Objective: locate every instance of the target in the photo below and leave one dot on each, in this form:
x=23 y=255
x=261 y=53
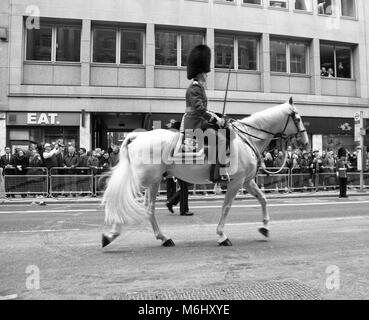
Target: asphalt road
x=308 y=236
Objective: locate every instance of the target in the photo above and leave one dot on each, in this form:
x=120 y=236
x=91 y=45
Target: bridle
x=276 y=136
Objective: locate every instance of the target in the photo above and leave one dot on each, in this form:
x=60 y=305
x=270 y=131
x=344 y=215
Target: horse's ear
x=290 y=101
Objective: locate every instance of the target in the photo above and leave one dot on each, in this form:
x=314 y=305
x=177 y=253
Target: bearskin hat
x=341 y=152
x=198 y=61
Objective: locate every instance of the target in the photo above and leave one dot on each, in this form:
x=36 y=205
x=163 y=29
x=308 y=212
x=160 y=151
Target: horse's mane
x=262 y=119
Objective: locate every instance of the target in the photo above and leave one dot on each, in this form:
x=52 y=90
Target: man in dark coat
x=341 y=167
x=71 y=160
x=6 y=161
x=197 y=115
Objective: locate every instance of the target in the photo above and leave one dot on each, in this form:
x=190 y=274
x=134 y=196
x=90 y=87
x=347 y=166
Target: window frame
x=335 y=46
x=118 y=45
x=288 y=57
x=179 y=45
x=287 y=8
x=355 y=11
x=334 y=9
x=235 y=51
x=53 y=60
x=303 y=11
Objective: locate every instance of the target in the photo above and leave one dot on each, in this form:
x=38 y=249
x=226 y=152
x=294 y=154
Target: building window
x=252 y=1
x=247 y=53
x=131 y=47
x=348 y=8
x=104 y=45
x=224 y=51
x=335 y=61
x=108 y=41
x=289 y=57
x=278 y=3
x=188 y=42
x=54 y=42
x=303 y=5
x=172 y=48
x=68 y=43
x=325 y=7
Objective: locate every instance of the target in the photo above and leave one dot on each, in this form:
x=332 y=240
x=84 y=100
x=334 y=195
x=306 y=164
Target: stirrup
x=225 y=177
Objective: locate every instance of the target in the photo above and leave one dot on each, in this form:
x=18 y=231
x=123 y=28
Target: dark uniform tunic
x=197 y=115
x=342 y=167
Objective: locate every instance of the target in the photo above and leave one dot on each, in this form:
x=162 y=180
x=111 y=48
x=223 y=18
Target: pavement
x=318 y=249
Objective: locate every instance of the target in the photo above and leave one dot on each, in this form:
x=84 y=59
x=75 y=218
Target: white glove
x=220 y=122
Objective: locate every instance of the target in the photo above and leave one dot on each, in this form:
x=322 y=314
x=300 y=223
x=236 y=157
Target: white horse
x=123 y=198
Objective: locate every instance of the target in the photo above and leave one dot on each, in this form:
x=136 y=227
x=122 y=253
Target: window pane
x=247 y=54
x=224 y=51
x=348 y=8
x=165 y=48
x=131 y=47
x=188 y=42
x=327 y=60
x=252 y=1
x=297 y=57
x=104 y=47
x=278 y=56
x=278 y=4
x=39 y=44
x=303 y=5
x=68 y=43
x=343 y=60
x=325 y=7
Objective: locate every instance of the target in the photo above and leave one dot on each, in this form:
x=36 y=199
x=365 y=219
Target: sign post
x=359 y=139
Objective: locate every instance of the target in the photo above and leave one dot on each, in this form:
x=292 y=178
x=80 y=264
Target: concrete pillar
x=265 y=63
x=359 y=70
x=210 y=82
x=150 y=55
x=85 y=52
x=85 y=132
x=316 y=80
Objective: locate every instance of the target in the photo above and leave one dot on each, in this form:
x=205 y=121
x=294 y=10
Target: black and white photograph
x=183 y=155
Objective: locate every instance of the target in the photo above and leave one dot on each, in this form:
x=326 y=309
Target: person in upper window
x=323 y=72
x=330 y=73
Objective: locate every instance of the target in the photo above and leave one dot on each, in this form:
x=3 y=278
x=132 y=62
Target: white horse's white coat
x=125 y=202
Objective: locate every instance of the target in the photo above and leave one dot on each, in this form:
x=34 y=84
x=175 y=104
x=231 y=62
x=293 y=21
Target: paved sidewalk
x=198 y=197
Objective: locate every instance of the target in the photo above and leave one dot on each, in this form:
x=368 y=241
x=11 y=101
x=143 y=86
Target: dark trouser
x=181 y=196
x=343 y=186
x=171 y=188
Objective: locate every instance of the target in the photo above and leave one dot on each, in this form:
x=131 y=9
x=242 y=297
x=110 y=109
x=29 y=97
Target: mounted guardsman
x=197 y=115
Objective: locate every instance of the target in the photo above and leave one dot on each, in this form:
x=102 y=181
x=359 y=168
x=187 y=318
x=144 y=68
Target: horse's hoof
x=226 y=243
x=106 y=240
x=264 y=232
x=168 y=243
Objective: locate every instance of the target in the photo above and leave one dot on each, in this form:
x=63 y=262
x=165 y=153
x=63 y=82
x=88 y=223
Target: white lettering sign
x=43 y=118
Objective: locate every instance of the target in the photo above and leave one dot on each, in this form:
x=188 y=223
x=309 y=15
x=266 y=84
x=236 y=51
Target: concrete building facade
x=87 y=72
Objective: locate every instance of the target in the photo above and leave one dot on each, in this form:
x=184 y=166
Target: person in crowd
x=82 y=159
x=305 y=169
x=114 y=156
x=6 y=161
x=50 y=156
x=280 y=179
x=180 y=196
x=20 y=163
x=297 y=183
x=35 y=168
x=342 y=166
x=93 y=161
x=316 y=167
x=353 y=161
x=268 y=180
x=71 y=161
x=105 y=162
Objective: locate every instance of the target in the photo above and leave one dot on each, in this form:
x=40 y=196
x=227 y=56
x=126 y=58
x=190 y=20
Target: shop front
x=32 y=128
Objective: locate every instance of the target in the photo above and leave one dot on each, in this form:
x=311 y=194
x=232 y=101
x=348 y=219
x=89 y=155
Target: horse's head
x=294 y=125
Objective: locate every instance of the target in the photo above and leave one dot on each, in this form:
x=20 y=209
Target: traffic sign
x=357 y=116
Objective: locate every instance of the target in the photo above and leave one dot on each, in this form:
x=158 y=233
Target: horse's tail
x=123 y=199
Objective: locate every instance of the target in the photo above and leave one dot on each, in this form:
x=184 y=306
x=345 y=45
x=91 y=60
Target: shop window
x=39 y=44
x=224 y=51
x=68 y=40
x=247 y=53
x=173 y=48
x=348 y=8
x=54 y=42
x=188 y=42
x=104 y=45
x=288 y=56
x=131 y=47
x=303 y=5
x=325 y=7
x=252 y=1
x=278 y=3
x=335 y=61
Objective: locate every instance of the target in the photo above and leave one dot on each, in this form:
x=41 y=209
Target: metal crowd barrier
x=73 y=181
x=87 y=181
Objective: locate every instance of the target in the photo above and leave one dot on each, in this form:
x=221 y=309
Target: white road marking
x=9 y=297
x=38 y=231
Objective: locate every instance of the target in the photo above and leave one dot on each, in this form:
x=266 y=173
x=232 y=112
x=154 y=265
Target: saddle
x=200 y=148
